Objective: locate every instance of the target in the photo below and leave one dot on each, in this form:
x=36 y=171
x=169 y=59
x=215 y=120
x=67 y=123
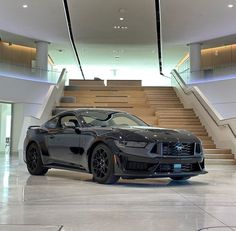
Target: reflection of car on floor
x=111 y=144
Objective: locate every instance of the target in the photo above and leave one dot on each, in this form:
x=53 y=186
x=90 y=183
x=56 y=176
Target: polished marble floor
x=70 y=201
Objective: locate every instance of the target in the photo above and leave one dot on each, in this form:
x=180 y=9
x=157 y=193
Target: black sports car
x=111 y=144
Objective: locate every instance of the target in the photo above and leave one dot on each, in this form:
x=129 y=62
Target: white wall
x=28 y=98
x=22 y=91
x=221 y=94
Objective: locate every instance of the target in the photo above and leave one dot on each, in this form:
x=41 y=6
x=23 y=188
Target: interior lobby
x=170 y=63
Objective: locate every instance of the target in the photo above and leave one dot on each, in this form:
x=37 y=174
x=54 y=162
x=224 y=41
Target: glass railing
x=26 y=73
x=209 y=75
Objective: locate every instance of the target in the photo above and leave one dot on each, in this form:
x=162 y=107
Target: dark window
x=89 y=119
x=68 y=118
x=52 y=123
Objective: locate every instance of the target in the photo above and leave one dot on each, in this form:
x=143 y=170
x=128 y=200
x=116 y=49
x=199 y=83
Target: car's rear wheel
x=102 y=165
x=34 y=161
x=179 y=178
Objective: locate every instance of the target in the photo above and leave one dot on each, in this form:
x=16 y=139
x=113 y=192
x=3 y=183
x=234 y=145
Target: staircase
x=158 y=106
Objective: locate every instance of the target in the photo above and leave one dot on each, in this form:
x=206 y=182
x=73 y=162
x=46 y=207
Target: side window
x=52 y=123
x=123 y=121
x=68 y=118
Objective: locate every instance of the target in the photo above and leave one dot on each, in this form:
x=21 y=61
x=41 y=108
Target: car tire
x=34 y=161
x=180 y=178
x=102 y=165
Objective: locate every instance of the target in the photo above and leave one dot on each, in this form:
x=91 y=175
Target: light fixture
x=121 y=19
x=121 y=27
x=230 y=5
x=25 y=6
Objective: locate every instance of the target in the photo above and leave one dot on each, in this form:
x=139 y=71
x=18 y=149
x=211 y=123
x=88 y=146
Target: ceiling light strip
x=69 y=27
x=158 y=27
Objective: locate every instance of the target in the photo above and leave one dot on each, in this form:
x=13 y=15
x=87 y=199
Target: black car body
x=111 y=144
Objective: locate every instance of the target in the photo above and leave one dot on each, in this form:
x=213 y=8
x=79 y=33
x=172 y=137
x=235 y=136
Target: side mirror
x=69 y=124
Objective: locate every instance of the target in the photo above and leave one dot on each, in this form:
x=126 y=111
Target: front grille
x=164 y=168
x=138 y=166
x=177 y=149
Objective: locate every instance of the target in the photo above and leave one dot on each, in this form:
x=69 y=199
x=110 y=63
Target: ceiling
x=101 y=45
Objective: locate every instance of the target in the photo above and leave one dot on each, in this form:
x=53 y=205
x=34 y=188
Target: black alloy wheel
x=33 y=160
x=179 y=178
x=102 y=165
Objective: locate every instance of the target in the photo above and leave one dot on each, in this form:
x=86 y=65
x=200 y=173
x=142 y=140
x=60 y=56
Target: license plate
x=177 y=166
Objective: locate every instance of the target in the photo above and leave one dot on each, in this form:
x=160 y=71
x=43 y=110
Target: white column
x=195 y=57
x=42 y=55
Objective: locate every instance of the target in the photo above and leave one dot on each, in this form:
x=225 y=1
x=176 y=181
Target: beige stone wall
x=15 y=54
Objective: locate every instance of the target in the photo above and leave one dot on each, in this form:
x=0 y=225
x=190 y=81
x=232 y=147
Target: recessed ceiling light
x=25 y=6
x=121 y=27
x=230 y=5
x=121 y=19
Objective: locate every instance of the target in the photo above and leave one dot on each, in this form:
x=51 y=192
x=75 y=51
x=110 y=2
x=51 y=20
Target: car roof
x=79 y=110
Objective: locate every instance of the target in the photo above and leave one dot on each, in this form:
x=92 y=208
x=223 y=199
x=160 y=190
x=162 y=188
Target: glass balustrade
x=26 y=73
x=209 y=74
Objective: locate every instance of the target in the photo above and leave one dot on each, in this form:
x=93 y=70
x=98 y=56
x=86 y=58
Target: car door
x=63 y=142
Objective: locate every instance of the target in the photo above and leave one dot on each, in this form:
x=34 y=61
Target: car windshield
x=105 y=119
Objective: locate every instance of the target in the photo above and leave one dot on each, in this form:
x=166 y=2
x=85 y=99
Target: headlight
x=131 y=144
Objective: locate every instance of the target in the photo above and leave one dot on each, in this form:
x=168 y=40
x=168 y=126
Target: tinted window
x=89 y=119
x=52 y=123
x=68 y=118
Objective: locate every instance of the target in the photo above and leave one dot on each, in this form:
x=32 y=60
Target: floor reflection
x=73 y=200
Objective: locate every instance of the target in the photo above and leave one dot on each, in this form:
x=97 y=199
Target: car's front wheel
x=34 y=162
x=102 y=165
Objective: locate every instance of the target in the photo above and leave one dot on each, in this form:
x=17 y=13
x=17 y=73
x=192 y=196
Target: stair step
x=219 y=156
x=157 y=97
x=205 y=138
x=177 y=112
x=166 y=106
x=106 y=105
x=186 y=126
x=163 y=99
x=139 y=111
x=124 y=83
x=77 y=82
x=219 y=162
x=174 y=122
x=199 y=133
x=68 y=99
x=206 y=146
x=105 y=93
x=208 y=142
x=163 y=111
x=217 y=151
x=176 y=116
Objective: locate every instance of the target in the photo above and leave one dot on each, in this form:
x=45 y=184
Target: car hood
x=141 y=133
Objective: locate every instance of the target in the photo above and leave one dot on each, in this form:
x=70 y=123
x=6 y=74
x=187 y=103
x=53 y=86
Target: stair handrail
x=220 y=122
x=62 y=76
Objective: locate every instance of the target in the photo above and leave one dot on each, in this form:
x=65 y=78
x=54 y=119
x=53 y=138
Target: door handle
x=51 y=136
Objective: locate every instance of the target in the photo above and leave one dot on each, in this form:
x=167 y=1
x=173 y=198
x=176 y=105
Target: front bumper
x=134 y=166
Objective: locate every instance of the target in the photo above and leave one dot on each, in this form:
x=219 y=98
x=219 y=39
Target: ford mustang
x=111 y=144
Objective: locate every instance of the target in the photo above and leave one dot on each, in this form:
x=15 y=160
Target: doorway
x=5 y=127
